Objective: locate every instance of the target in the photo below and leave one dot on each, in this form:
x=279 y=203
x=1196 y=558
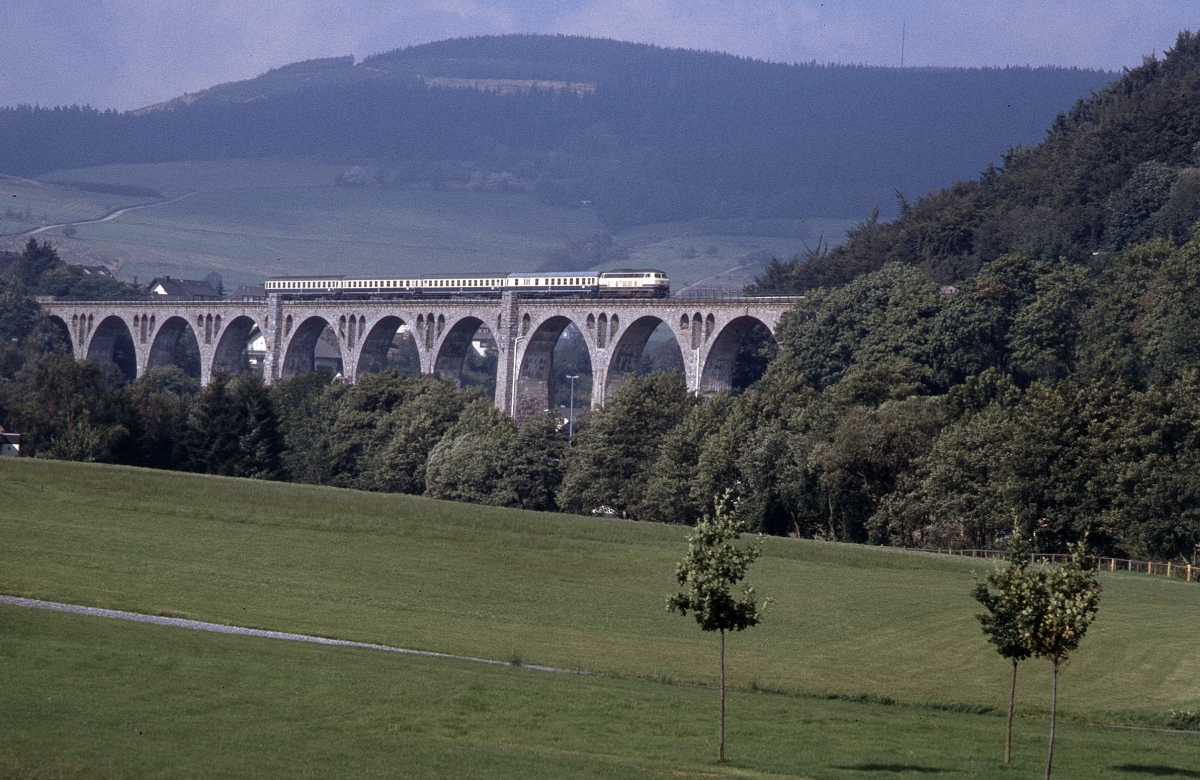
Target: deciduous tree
x=1009 y=606
x=1066 y=605
x=713 y=566
x=610 y=463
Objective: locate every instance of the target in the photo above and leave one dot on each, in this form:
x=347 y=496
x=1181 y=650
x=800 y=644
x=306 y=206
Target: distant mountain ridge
x=642 y=132
x=1120 y=167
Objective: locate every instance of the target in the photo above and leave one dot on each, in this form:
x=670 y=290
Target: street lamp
x=571 y=419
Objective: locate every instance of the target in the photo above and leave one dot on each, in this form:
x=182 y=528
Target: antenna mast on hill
x=903 y=31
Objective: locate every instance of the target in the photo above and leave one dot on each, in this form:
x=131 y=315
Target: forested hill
x=1120 y=167
x=644 y=133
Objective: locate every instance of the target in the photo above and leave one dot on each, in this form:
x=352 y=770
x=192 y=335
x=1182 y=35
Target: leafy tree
x=886 y=314
x=26 y=336
x=160 y=403
x=777 y=485
x=306 y=406
x=67 y=409
x=430 y=406
x=868 y=451
x=669 y=495
x=1042 y=338
x=19 y=312
x=1113 y=339
x=712 y=567
x=36 y=259
x=609 y=464
x=1139 y=199
x=1009 y=608
x=384 y=428
x=470 y=462
x=962 y=500
x=233 y=429
x=534 y=471
x=485 y=459
x=759 y=453
x=1176 y=220
x=1171 y=323
x=1146 y=451
x=1066 y=605
x=979 y=392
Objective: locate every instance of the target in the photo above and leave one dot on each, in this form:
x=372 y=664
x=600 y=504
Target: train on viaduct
x=708 y=329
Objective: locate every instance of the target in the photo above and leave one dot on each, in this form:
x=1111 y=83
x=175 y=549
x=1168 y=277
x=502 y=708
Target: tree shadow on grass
x=894 y=768
x=1157 y=770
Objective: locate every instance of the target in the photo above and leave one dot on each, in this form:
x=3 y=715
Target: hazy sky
x=129 y=53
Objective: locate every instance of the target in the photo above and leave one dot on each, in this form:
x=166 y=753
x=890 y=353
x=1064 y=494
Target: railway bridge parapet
x=709 y=331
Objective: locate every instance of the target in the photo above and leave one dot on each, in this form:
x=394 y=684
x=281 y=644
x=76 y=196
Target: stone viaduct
x=708 y=330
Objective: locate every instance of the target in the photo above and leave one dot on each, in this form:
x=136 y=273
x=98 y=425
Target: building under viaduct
x=709 y=332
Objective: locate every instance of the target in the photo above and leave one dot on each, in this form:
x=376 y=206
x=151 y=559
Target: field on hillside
x=92 y=698
x=869 y=659
x=27 y=204
x=252 y=219
x=558 y=590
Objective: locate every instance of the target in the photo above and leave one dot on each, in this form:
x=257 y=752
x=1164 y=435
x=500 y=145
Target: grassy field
x=251 y=219
x=26 y=204
x=91 y=698
x=853 y=622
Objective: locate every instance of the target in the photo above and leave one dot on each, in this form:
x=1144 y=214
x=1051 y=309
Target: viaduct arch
x=708 y=332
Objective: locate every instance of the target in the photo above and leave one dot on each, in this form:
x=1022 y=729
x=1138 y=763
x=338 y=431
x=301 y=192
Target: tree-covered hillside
x=644 y=133
x=1121 y=166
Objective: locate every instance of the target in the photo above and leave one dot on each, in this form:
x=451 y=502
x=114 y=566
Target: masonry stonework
x=709 y=333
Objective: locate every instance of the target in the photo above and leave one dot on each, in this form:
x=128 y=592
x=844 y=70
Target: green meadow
x=249 y=219
x=869 y=663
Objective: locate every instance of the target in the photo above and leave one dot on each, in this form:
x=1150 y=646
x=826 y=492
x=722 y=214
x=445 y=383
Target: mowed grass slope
x=557 y=590
x=84 y=697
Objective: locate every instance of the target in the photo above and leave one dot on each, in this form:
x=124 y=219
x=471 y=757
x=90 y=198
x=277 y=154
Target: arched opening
x=631 y=347
x=532 y=393
x=738 y=357
x=468 y=355
x=240 y=348
x=661 y=352
x=113 y=342
x=175 y=344
x=313 y=346
x=389 y=345
x=572 y=399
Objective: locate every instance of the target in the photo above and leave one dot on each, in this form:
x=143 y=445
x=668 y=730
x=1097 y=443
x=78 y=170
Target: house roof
x=323 y=349
x=96 y=270
x=183 y=289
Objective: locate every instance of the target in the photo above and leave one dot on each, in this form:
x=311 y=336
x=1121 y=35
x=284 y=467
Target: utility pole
x=903 y=32
x=571 y=418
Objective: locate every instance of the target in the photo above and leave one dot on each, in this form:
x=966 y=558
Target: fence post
x=1168 y=568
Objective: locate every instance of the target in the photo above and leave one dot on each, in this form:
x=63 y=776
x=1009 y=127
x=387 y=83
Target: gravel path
x=219 y=628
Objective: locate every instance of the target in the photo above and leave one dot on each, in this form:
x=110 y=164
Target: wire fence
x=1183 y=571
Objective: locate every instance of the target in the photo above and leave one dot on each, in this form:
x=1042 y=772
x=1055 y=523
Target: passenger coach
x=621 y=283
